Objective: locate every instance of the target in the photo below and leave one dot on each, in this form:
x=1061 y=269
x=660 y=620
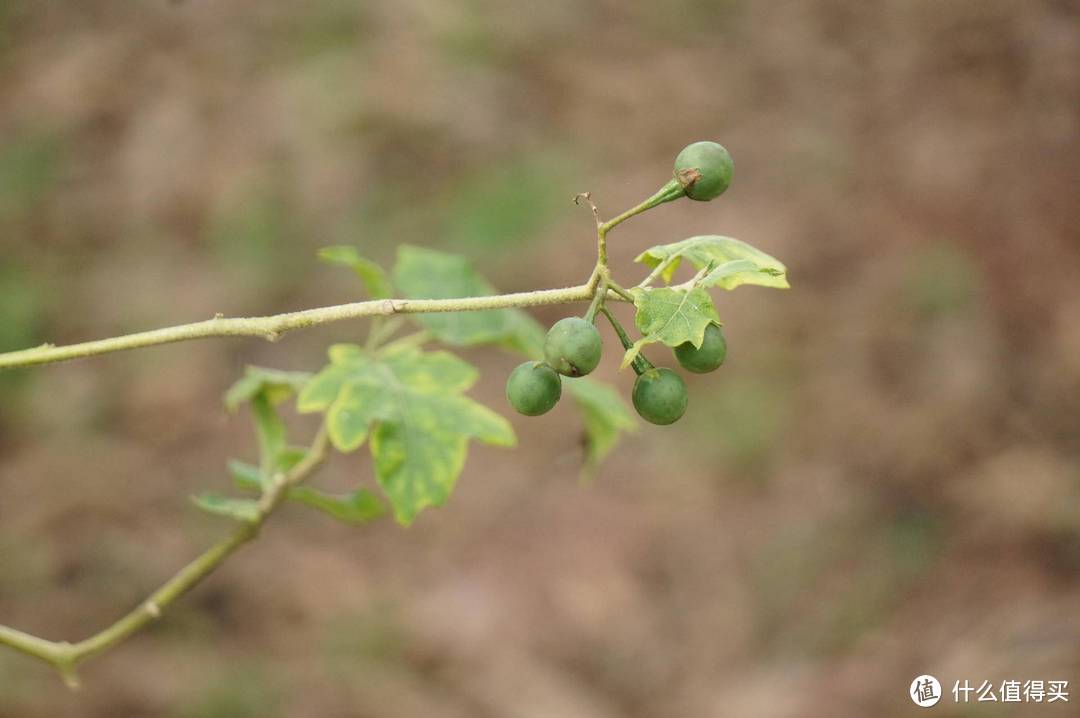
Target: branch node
x=272 y=335
x=219 y=315
x=153 y=609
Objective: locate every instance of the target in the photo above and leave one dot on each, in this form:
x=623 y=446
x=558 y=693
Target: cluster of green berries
x=572 y=348
x=660 y=395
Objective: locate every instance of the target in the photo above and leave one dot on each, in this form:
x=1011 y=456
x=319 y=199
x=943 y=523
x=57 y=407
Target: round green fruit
x=572 y=346
x=709 y=356
x=533 y=388
x=660 y=396
x=704 y=169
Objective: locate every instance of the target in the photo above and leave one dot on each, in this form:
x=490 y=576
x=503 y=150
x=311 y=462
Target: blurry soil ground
x=883 y=481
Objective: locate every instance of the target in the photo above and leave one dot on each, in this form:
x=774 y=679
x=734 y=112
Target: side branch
x=65 y=656
x=273 y=327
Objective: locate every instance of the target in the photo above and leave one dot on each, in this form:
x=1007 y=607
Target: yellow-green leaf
x=411 y=404
x=755 y=266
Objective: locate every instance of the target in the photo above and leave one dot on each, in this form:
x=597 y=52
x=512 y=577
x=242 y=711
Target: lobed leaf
x=411 y=405
x=735 y=262
x=671 y=316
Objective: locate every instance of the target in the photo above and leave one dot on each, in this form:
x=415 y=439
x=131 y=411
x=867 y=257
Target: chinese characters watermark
x=925 y=691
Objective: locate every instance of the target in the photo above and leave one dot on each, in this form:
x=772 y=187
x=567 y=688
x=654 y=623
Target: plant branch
x=273 y=327
x=618 y=289
x=598 y=297
x=65 y=656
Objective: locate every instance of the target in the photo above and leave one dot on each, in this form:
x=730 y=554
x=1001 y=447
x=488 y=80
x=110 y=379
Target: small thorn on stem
x=219 y=315
x=65 y=664
x=153 y=609
x=70 y=678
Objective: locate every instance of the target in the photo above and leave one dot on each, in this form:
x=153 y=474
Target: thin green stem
x=619 y=331
x=615 y=287
x=65 y=657
x=273 y=327
x=640 y=363
x=656 y=272
x=671 y=191
x=598 y=299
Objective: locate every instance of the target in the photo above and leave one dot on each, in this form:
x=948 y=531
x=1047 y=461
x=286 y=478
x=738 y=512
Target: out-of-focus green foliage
x=30 y=167
x=245 y=691
x=940 y=280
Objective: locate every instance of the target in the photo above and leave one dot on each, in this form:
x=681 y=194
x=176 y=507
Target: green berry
x=704 y=169
x=709 y=356
x=572 y=346
x=533 y=388
x=660 y=396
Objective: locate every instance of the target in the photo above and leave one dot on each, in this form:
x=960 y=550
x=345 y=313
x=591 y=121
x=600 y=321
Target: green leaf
x=524 y=334
x=246 y=476
x=411 y=404
x=275 y=385
x=325 y=386
x=757 y=267
x=290 y=456
x=358 y=507
x=671 y=316
x=263 y=389
x=246 y=510
x=374 y=277
x=427 y=274
x=606 y=415
x=361 y=402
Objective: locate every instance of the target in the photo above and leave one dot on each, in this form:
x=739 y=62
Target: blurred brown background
x=883 y=481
